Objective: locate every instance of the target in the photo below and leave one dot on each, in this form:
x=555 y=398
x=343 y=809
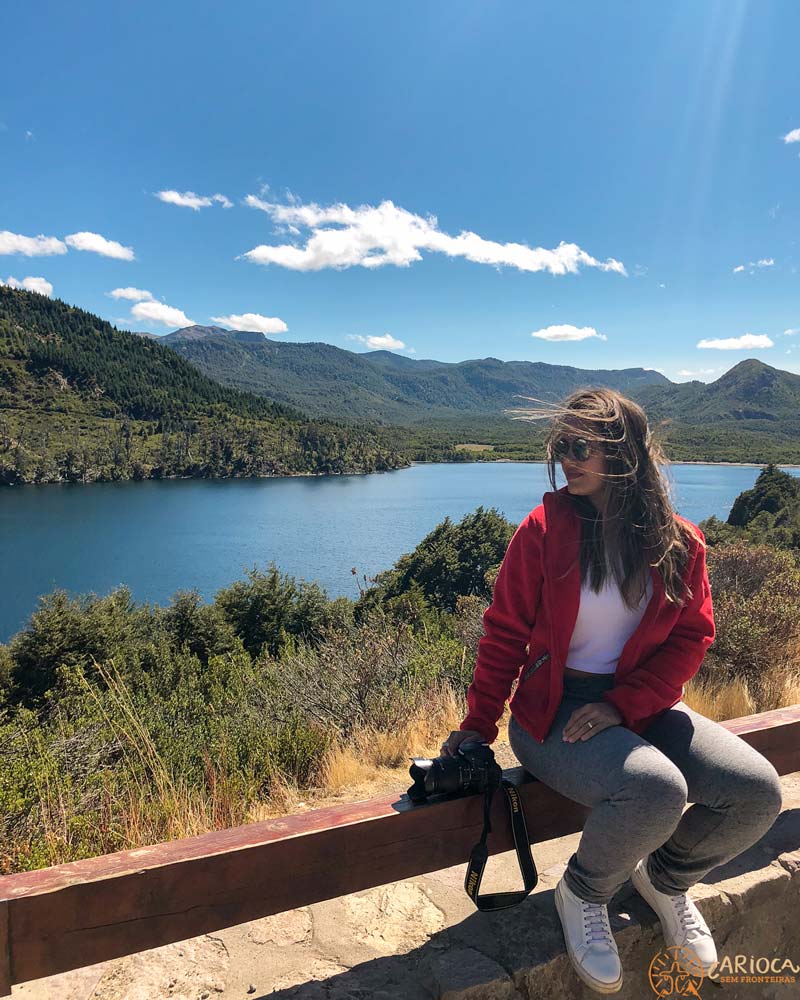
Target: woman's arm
x=656 y=683
x=507 y=625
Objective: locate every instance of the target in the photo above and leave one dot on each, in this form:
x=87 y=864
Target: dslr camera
x=470 y=771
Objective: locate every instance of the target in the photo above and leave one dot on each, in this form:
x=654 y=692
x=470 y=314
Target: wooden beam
x=5 y=951
x=73 y=915
x=774 y=734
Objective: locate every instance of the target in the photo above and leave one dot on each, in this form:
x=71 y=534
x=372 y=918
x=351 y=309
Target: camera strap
x=480 y=853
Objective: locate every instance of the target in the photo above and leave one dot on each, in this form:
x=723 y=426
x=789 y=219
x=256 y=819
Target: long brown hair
x=638 y=527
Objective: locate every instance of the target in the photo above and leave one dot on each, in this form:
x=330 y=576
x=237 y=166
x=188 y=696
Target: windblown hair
x=638 y=528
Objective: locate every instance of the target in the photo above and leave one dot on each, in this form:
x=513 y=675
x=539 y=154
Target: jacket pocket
x=526 y=673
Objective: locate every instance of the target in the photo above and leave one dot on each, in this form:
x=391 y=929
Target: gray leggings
x=638 y=786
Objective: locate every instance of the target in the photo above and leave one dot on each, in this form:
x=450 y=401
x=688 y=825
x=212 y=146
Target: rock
x=310 y=982
x=466 y=974
x=282 y=929
x=393 y=918
x=186 y=970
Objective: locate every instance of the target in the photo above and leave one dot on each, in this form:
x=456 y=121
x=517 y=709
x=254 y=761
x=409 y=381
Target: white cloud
x=764 y=262
x=791 y=333
x=30 y=246
x=700 y=371
x=252 y=322
x=748 y=341
x=383 y=343
x=368 y=236
x=188 y=199
x=793 y=136
x=159 y=312
x=134 y=294
x=42 y=246
x=95 y=243
x=566 y=332
x=30 y=284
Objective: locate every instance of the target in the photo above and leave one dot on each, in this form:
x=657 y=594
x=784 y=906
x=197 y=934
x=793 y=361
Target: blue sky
x=574 y=183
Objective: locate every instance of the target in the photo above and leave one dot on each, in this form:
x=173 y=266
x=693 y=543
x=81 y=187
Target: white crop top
x=603 y=626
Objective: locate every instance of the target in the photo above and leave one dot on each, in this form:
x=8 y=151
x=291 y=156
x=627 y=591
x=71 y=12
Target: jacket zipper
x=534 y=666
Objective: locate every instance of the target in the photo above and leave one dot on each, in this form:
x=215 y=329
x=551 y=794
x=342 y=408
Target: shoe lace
x=595 y=922
x=685 y=912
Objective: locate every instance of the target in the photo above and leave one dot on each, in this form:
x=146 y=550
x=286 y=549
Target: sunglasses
x=581 y=448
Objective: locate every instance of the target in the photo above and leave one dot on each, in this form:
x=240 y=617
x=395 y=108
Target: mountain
x=83 y=401
x=383 y=387
x=749 y=414
x=751 y=392
x=55 y=353
x=204 y=332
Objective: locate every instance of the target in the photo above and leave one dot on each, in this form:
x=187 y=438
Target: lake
x=159 y=537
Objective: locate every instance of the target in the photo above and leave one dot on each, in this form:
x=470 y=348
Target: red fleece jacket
x=529 y=624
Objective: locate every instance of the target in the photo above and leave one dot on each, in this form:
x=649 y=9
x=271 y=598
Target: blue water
x=161 y=537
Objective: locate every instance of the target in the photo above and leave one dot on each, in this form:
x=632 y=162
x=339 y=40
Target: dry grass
x=735 y=699
x=370 y=763
x=376 y=763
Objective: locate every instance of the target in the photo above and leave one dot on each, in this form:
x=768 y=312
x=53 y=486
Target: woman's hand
x=601 y=714
x=458 y=736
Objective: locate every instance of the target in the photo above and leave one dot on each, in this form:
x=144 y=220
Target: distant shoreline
x=754 y=465
x=533 y=461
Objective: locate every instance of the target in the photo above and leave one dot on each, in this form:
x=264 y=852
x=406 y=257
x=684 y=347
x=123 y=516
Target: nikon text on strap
x=480 y=853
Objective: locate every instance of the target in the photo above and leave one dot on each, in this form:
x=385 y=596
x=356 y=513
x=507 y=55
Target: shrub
x=756 y=596
x=271 y=606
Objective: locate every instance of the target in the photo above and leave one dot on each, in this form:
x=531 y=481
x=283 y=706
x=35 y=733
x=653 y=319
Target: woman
x=603 y=597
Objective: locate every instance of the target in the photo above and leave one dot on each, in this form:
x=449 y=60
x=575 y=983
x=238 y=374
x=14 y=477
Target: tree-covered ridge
x=73 y=390
x=461 y=411
x=81 y=401
x=123 y=375
x=767 y=514
x=327 y=381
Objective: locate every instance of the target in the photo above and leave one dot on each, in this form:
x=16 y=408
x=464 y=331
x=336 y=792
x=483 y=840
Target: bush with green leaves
x=756 y=596
x=269 y=607
x=450 y=562
x=122 y=723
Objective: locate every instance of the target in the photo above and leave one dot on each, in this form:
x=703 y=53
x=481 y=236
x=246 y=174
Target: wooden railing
x=73 y=915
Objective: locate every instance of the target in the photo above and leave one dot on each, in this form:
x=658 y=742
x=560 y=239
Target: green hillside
x=749 y=414
x=81 y=401
x=382 y=387
x=440 y=411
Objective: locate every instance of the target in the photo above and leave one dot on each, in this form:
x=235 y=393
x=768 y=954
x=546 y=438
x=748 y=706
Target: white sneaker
x=590 y=943
x=682 y=924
